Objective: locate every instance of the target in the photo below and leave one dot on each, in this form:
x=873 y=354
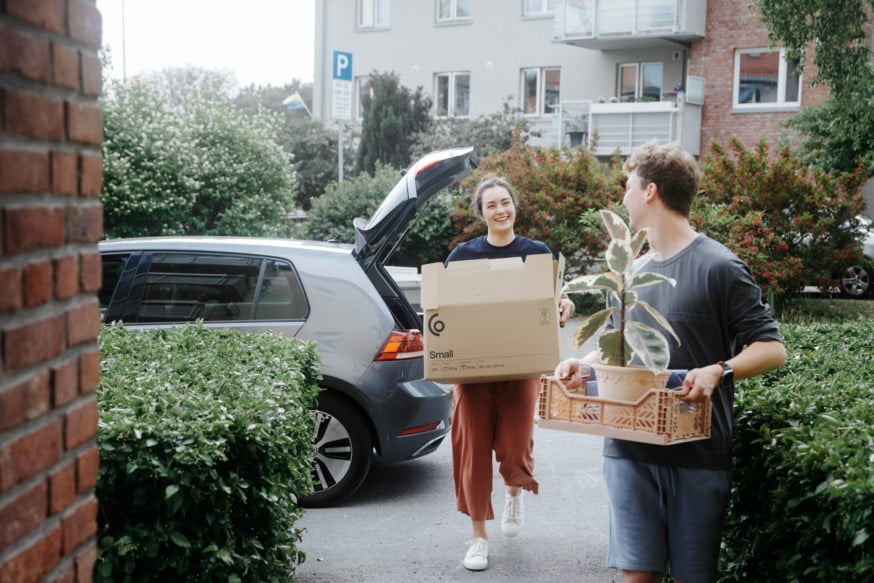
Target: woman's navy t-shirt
x=480 y=248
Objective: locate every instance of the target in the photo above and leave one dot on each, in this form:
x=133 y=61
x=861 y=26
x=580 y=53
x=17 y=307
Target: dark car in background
x=367 y=334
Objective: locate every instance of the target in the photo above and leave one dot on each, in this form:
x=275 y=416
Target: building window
x=452 y=94
x=538 y=7
x=763 y=77
x=362 y=89
x=640 y=82
x=454 y=10
x=373 y=13
x=541 y=91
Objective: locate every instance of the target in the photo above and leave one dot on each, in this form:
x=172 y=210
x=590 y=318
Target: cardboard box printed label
x=491 y=319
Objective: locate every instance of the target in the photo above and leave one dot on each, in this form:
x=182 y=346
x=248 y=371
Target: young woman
x=495 y=416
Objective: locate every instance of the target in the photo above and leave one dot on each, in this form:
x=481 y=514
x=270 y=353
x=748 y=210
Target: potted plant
x=617 y=377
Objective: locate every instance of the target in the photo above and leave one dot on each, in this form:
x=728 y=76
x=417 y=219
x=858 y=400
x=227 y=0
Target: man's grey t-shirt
x=716 y=309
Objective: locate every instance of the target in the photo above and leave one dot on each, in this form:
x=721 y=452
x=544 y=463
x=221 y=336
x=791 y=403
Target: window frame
x=451 y=77
x=540 y=106
x=782 y=71
x=453 y=17
x=373 y=8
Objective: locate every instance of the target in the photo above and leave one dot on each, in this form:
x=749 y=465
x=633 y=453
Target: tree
x=840 y=132
x=194 y=166
x=393 y=115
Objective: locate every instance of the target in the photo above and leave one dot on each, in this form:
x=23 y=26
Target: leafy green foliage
x=553 y=189
x=331 y=216
x=839 y=132
x=196 y=167
x=802 y=503
x=393 y=115
x=205 y=444
x=790 y=223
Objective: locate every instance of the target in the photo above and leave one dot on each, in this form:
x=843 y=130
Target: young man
x=667 y=503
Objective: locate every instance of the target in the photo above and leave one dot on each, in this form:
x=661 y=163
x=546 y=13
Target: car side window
x=183 y=287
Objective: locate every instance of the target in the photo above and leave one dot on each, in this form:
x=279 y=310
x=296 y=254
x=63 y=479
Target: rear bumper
x=419 y=407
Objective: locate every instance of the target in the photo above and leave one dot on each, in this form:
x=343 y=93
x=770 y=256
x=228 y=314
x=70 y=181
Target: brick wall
x=50 y=219
x=733 y=24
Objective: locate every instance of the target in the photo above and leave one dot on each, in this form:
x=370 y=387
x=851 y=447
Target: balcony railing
x=621 y=24
x=625 y=126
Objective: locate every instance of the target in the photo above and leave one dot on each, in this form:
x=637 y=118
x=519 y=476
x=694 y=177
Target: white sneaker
x=477 y=557
x=511 y=521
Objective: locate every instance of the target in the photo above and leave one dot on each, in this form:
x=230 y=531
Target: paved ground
x=402 y=524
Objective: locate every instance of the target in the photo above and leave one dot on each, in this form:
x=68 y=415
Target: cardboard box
x=491 y=319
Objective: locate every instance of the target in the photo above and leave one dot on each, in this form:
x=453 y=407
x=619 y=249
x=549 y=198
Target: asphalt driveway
x=402 y=524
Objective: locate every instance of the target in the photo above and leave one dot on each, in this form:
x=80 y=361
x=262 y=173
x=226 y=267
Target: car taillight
x=402 y=344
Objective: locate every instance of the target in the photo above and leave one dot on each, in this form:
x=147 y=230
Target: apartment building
x=623 y=71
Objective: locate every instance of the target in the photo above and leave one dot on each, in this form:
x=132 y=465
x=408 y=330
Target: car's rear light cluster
x=401 y=345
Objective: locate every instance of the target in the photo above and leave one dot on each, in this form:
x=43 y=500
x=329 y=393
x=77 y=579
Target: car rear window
x=182 y=287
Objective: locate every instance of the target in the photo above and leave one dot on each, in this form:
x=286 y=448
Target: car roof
x=226 y=244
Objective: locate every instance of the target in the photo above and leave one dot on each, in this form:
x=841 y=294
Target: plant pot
x=627 y=383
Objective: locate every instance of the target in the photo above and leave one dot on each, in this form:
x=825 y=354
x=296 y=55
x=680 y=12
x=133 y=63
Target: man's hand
x=565 y=310
x=572 y=372
x=700 y=383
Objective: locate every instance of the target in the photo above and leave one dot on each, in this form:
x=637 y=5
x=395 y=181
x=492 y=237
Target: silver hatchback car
x=367 y=333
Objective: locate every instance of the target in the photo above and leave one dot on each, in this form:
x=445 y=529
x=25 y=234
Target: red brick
x=84 y=123
x=66 y=66
x=83 y=323
x=47 y=14
x=65 y=382
x=62 y=488
x=33 y=115
x=22 y=514
x=90 y=175
x=31 y=171
x=87 y=466
x=84 y=224
x=85 y=564
x=65 y=175
x=37 y=283
x=33 y=342
x=29 y=56
x=10 y=289
x=85 y=22
x=89 y=371
x=27 y=228
x=80 y=524
x=24 y=401
x=66 y=276
x=35 y=561
x=90 y=271
x=92 y=74
x=81 y=424
x=31 y=453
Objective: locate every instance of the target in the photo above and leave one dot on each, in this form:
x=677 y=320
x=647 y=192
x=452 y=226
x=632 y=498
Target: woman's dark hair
x=486 y=183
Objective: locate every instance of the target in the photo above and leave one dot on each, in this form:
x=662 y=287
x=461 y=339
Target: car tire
x=342 y=451
x=855 y=281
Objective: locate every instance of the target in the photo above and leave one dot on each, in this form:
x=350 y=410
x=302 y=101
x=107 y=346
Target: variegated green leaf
x=662 y=321
x=644 y=279
x=608 y=347
x=649 y=345
x=638 y=240
x=615 y=226
x=607 y=281
x=591 y=326
x=619 y=257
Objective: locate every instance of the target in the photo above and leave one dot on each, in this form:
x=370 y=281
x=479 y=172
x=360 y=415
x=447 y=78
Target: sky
x=259 y=41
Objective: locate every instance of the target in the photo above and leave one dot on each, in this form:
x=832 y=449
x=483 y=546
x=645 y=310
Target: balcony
x=625 y=126
x=629 y=24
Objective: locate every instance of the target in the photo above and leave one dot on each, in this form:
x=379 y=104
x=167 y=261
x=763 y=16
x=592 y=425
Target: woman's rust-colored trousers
x=499 y=417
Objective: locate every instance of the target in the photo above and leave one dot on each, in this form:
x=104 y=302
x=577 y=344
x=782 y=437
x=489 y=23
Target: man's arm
x=757 y=358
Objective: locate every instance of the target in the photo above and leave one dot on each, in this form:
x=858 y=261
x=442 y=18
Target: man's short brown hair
x=672 y=169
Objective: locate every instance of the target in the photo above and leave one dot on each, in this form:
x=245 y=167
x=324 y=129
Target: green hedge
x=205 y=442
x=802 y=506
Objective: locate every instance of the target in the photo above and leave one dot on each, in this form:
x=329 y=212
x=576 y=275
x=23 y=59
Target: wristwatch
x=727 y=372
